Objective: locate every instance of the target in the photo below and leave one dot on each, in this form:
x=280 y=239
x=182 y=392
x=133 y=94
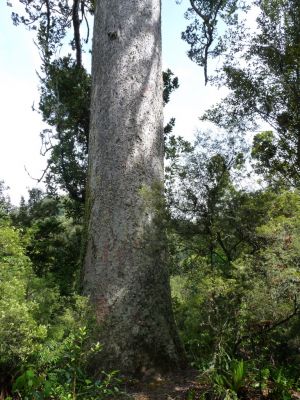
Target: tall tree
x=64 y=88
x=261 y=69
x=125 y=271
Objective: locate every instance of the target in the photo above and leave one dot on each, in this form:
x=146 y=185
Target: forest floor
x=176 y=386
x=184 y=385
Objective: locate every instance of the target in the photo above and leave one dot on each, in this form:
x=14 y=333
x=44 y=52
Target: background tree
x=52 y=238
x=65 y=91
x=203 y=33
x=234 y=262
x=65 y=106
x=261 y=69
x=203 y=195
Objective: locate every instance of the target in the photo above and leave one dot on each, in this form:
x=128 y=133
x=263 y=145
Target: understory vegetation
x=235 y=282
x=231 y=214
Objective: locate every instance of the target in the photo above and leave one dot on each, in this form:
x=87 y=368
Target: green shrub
x=61 y=373
x=20 y=332
x=251 y=310
x=231 y=378
x=206 y=305
x=45 y=339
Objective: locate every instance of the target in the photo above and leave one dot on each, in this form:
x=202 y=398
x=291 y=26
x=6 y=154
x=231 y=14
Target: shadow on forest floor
x=176 y=386
x=184 y=385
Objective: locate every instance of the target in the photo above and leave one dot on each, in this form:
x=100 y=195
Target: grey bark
x=125 y=273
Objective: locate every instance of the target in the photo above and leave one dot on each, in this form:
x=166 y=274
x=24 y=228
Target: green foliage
x=283 y=384
x=54 y=21
x=235 y=253
x=229 y=379
x=65 y=91
x=261 y=71
x=52 y=238
x=20 y=332
x=202 y=34
x=245 y=306
x=64 y=376
x=210 y=214
x=43 y=335
x=29 y=384
x=206 y=307
x=170 y=84
x=5 y=206
x=236 y=379
x=65 y=106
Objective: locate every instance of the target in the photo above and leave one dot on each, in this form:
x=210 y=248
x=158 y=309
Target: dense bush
x=53 y=238
x=45 y=338
x=251 y=310
x=20 y=331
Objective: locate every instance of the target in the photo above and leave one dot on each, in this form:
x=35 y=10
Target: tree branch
x=208 y=25
x=270 y=327
x=76 y=27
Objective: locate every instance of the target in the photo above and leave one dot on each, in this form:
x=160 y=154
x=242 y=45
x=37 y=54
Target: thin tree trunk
x=125 y=273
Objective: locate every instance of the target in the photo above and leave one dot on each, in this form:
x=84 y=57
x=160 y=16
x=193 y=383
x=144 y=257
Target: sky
x=20 y=126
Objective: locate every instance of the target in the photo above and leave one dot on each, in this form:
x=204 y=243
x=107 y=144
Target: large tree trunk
x=125 y=273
